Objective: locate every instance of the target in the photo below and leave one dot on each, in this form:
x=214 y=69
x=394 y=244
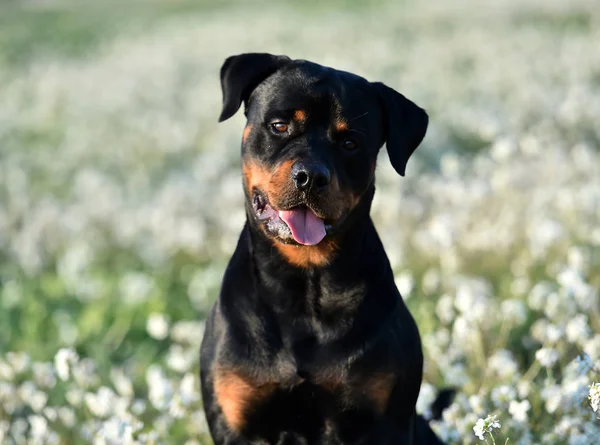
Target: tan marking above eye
x=341 y=125
x=300 y=116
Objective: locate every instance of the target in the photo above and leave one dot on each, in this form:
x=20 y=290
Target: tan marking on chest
x=379 y=389
x=308 y=256
x=237 y=395
x=374 y=390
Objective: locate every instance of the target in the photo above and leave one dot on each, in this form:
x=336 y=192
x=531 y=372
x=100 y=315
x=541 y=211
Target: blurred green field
x=121 y=201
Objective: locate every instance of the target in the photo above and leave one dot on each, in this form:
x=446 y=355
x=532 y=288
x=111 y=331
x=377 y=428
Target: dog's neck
x=359 y=262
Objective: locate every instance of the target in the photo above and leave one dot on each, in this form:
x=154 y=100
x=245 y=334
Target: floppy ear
x=405 y=125
x=241 y=74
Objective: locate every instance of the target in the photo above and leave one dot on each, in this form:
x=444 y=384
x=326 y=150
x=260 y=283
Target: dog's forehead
x=307 y=84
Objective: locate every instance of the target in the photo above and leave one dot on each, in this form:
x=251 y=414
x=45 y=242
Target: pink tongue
x=306 y=227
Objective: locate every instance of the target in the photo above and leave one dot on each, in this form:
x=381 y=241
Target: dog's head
x=311 y=141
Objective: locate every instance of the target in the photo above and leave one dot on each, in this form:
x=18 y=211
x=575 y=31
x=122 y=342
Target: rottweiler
x=310 y=341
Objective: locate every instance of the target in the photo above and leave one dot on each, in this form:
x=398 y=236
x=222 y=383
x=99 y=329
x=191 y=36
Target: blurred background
x=121 y=202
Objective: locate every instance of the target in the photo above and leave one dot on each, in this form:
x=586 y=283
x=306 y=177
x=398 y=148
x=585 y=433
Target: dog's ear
x=241 y=74
x=405 y=125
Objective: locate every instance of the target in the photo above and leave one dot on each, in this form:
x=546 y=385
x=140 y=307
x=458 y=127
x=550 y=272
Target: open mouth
x=299 y=223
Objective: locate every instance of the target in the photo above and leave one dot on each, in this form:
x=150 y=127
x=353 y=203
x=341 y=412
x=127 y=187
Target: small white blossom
x=122 y=382
x=44 y=374
x=39 y=426
x=7 y=373
x=102 y=403
x=190 y=332
x=160 y=388
x=503 y=363
x=405 y=284
x=577 y=329
x=67 y=416
x=486 y=425
x=63 y=359
x=181 y=359
x=519 y=410
x=595 y=396
x=547 y=357
x=19 y=361
x=157 y=326
x=187 y=390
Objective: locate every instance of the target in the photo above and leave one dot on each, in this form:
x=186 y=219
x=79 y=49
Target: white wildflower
x=7 y=373
x=181 y=359
x=518 y=410
x=190 y=332
x=445 y=309
x=19 y=361
x=39 y=426
x=63 y=359
x=157 y=326
x=176 y=407
x=477 y=403
x=187 y=390
x=503 y=363
x=524 y=388
x=122 y=382
x=119 y=431
x=595 y=396
x=159 y=387
x=74 y=397
x=138 y=407
x=85 y=373
x=102 y=403
x=552 y=395
x=514 y=311
x=427 y=396
x=43 y=374
x=486 y=425
x=405 y=284
x=577 y=329
x=539 y=294
x=547 y=357
x=67 y=416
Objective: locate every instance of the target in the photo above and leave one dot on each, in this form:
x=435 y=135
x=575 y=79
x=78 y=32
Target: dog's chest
x=313 y=404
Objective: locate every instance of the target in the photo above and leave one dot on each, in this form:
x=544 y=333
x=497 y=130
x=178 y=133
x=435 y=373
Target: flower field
x=121 y=201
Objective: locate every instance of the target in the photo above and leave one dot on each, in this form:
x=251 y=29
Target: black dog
x=310 y=341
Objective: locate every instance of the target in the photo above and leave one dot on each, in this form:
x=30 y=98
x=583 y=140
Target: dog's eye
x=280 y=127
x=349 y=145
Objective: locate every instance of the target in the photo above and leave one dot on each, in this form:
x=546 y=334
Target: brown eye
x=280 y=127
x=349 y=145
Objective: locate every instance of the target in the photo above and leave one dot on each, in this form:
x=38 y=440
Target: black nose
x=310 y=176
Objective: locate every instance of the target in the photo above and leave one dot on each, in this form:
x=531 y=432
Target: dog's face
x=311 y=142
